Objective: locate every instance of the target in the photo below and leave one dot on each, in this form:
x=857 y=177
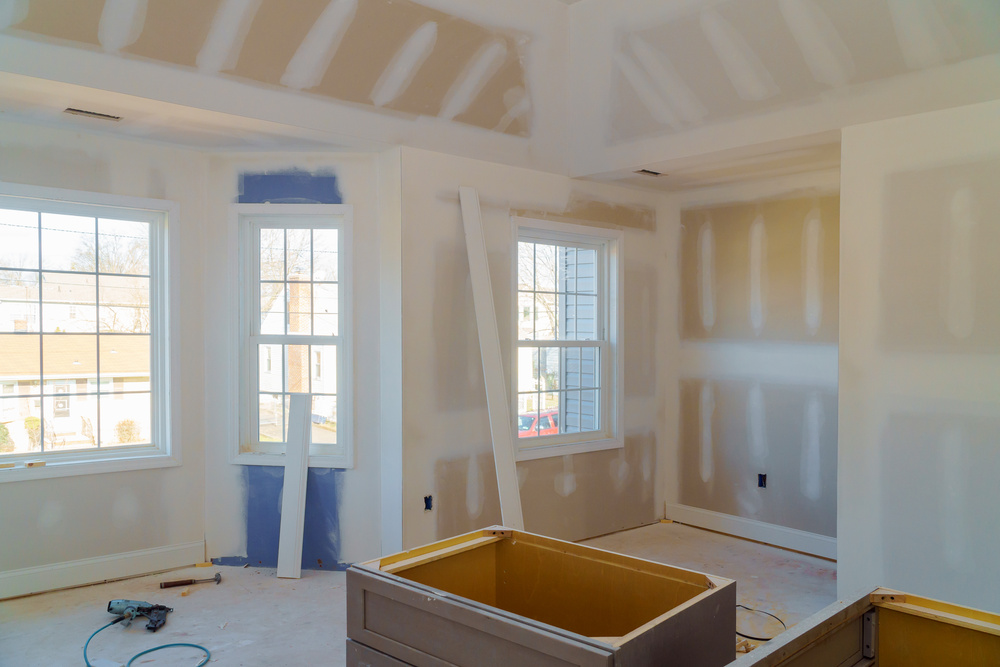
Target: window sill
x=551 y=451
x=315 y=461
x=71 y=468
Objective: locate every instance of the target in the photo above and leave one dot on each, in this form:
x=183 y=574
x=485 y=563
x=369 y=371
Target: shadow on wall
x=934 y=294
x=640 y=332
x=458 y=375
x=466 y=495
x=938 y=505
x=735 y=429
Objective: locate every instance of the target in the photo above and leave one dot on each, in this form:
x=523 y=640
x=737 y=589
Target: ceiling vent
x=92 y=114
x=647 y=172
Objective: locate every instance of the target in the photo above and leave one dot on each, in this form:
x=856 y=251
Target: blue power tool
x=127 y=610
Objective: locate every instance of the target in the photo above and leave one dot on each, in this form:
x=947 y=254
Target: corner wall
x=920 y=357
x=447 y=451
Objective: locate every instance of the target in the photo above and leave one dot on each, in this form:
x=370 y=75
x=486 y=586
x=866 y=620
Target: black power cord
x=760 y=611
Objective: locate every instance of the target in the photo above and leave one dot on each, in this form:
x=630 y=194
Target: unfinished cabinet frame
x=506 y=597
x=885 y=628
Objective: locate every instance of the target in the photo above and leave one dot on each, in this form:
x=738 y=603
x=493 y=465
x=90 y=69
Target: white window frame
x=248 y=218
x=610 y=301
x=163 y=216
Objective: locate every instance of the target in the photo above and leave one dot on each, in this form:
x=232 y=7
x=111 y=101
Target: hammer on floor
x=184 y=582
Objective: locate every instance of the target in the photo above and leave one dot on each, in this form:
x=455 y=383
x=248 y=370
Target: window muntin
x=566 y=368
x=82 y=316
x=295 y=297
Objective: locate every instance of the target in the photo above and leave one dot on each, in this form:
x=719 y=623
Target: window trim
x=165 y=452
x=241 y=217
x=610 y=300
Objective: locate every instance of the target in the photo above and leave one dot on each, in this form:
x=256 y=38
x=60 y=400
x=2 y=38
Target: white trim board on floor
x=25 y=581
x=779 y=536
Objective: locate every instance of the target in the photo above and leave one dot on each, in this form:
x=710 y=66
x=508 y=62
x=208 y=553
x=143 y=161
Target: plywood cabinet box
x=885 y=629
x=505 y=598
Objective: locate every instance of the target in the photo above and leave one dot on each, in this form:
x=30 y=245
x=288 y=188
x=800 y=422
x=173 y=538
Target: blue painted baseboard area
x=321 y=533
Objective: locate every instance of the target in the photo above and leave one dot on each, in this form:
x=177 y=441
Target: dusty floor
x=253 y=619
x=790 y=585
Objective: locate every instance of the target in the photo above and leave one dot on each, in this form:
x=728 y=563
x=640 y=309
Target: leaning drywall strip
x=489 y=345
x=293 y=492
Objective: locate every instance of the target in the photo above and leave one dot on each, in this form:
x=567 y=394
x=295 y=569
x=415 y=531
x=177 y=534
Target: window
x=83 y=350
x=295 y=329
x=567 y=361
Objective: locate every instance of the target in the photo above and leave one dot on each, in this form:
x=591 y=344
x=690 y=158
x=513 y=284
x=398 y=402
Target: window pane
x=579 y=318
x=526 y=316
x=19 y=364
x=299 y=308
x=324 y=369
x=297 y=369
x=18 y=300
x=272 y=308
x=298 y=260
x=271 y=418
x=68 y=362
x=270 y=367
x=586 y=271
x=123 y=246
x=68 y=242
x=18 y=239
x=582 y=411
x=70 y=422
x=325 y=255
x=124 y=304
x=325 y=304
x=582 y=367
x=69 y=302
x=527 y=367
x=547 y=371
x=525 y=266
x=272 y=254
x=545 y=268
x=548 y=413
x=527 y=415
x=545 y=317
x=125 y=419
x=125 y=361
x=22 y=417
x=324 y=419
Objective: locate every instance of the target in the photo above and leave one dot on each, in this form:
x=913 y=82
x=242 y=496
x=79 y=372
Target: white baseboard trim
x=779 y=536
x=15 y=583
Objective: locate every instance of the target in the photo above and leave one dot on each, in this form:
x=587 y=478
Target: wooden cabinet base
x=499 y=597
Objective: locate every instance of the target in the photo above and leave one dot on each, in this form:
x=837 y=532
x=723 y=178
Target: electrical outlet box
x=428 y=503
x=762 y=480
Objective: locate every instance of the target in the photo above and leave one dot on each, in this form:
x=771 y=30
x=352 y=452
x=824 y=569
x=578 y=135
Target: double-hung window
x=568 y=354
x=83 y=332
x=295 y=326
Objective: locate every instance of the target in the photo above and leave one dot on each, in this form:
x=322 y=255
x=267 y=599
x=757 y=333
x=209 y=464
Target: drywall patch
x=765 y=270
x=76 y=21
x=293 y=186
x=938 y=259
x=175 y=30
x=583 y=208
x=321 y=535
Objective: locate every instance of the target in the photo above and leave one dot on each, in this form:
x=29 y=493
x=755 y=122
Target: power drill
x=127 y=610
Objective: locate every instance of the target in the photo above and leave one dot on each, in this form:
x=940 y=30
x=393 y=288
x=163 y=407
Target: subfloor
x=253 y=619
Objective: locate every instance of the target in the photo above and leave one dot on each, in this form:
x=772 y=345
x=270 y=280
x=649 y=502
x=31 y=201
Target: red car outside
x=534 y=424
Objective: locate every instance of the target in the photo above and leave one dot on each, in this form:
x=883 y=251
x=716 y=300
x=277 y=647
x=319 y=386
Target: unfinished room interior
x=499 y=332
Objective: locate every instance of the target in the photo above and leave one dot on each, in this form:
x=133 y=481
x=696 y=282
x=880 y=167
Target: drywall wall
x=759 y=268
x=100 y=516
x=919 y=363
x=447 y=450
x=242 y=502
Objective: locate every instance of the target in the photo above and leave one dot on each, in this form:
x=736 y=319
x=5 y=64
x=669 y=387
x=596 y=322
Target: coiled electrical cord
x=759 y=611
x=208 y=654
